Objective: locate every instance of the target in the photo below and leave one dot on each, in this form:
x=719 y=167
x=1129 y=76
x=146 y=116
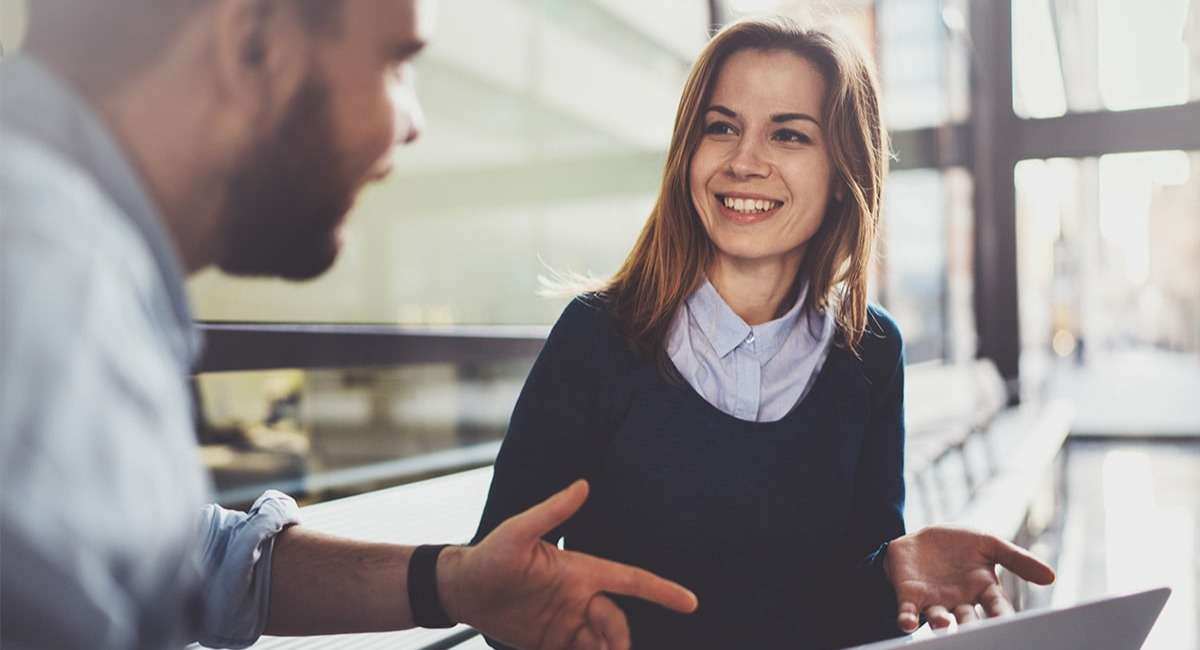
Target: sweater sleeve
x=559 y=421
x=878 y=505
x=560 y=418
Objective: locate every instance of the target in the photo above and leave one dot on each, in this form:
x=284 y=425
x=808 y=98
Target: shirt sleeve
x=878 y=510
x=235 y=557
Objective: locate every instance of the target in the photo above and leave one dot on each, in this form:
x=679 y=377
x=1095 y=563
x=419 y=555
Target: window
x=1090 y=55
x=1107 y=253
x=923 y=64
x=926 y=262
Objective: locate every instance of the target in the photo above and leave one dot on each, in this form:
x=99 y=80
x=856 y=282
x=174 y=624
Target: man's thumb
x=551 y=513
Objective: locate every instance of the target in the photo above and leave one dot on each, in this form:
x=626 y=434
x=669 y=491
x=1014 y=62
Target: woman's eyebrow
x=727 y=112
x=780 y=118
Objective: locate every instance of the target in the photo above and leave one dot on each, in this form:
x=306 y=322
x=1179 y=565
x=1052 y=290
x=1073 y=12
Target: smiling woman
x=731 y=397
x=771 y=113
x=760 y=179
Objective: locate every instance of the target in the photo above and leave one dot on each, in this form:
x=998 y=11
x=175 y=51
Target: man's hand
x=524 y=592
x=944 y=572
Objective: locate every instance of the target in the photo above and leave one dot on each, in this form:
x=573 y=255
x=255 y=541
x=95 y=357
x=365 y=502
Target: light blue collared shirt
x=755 y=373
x=100 y=482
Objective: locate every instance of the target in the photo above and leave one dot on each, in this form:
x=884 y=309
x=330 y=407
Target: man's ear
x=258 y=50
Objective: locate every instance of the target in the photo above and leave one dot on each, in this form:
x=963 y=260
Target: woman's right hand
x=944 y=572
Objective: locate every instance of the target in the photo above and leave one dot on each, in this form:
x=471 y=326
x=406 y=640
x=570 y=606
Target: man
x=147 y=139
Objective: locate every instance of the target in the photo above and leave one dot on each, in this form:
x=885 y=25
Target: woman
x=732 y=398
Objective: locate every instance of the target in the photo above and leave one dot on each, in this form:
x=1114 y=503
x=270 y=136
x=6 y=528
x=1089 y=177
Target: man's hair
x=115 y=38
x=320 y=16
x=107 y=26
x=316 y=14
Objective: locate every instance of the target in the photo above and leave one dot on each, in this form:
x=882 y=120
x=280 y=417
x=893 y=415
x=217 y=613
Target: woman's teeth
x=749 y=206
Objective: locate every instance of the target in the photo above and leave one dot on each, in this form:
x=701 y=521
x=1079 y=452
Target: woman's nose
x=747 y=162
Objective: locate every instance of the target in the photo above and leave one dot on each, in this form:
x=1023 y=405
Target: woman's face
x=760 y=177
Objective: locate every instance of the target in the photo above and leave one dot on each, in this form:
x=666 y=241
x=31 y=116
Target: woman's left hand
x=944 y=572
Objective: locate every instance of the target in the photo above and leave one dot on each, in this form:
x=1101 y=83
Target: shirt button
x=750 y=339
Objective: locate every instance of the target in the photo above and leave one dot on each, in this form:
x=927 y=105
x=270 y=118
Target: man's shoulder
x=76 y=316
x=44 y=193
x=56 y=213
x=71 y=264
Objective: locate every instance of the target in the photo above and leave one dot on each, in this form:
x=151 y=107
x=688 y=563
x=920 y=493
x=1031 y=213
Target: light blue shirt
x=756 y=373
x=105 y=541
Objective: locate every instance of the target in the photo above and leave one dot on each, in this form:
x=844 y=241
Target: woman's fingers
x=939 y=617
x=909 y=618
x=1020 y=561
x=994 y=603
x=965 y=614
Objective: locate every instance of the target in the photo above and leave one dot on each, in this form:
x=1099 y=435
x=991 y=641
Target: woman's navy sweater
x=777 y=527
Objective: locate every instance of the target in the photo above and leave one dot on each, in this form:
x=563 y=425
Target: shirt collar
x=771 y=335
x=36 y=103
x=725 y=330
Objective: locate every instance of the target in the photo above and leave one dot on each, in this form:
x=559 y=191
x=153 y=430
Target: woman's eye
x=720 y=128
x=788 y=135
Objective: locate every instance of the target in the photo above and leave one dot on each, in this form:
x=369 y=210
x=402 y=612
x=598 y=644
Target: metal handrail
x=264 y=346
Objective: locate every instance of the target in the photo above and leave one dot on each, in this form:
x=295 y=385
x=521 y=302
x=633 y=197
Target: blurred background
x=1040 y=250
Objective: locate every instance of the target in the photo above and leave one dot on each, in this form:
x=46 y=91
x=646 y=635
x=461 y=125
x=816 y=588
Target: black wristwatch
x=427 y=610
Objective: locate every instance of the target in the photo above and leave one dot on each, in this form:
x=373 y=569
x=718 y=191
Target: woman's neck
x=757 y=291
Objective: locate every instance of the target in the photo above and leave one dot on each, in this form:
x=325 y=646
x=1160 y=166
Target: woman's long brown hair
x=673 y=251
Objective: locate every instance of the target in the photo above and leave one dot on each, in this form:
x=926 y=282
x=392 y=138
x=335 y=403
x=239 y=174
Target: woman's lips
x=746 y=215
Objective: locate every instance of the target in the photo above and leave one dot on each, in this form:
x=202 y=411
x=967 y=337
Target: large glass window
x=1090 y=55
x=923 y=61
x=925 y=259
x=1107 y=253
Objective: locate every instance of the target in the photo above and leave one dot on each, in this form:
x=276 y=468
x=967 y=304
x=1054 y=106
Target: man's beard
x=288 y=200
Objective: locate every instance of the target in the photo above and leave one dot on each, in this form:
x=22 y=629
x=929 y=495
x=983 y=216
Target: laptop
x=1114 y=623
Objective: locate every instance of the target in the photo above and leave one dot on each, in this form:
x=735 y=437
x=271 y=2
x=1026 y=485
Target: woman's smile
x=743 y=208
